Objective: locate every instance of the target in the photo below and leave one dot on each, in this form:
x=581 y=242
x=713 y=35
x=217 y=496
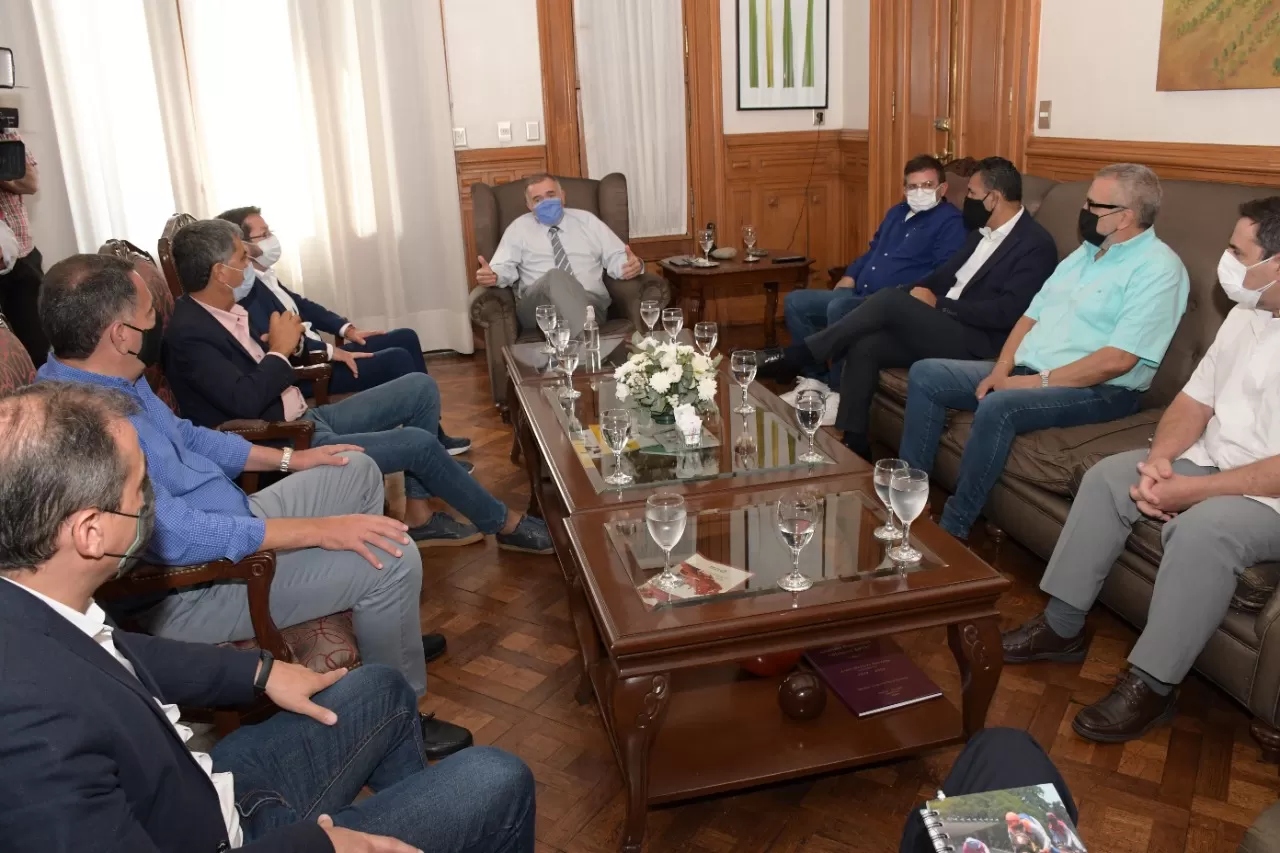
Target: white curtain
x=632 y=100
x=333 y=117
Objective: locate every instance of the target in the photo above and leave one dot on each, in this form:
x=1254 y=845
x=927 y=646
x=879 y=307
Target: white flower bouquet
x=662 y=376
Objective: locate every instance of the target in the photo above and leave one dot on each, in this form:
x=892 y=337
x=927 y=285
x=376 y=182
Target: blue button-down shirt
x=903 y=251
x=201 y=514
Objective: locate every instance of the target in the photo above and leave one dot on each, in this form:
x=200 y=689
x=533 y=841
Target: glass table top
x=738 y=553
x=531 y=362
x=732 y=444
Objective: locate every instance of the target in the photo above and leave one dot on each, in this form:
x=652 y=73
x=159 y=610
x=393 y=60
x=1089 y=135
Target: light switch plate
x=504 y=131
x=1044 y=113
x=459 y=137
x=532 y=133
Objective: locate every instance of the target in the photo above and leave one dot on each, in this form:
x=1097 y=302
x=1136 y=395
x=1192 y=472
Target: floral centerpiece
x=660 y=377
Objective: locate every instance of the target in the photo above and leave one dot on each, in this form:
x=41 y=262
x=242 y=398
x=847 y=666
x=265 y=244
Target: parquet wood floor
x=512 y=666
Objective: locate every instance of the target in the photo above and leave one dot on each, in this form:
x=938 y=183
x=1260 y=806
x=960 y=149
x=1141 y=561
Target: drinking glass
x=547 y=320
x=908 y=493
x=749 y=240
x=742 y=366
x=797 y=520
x=615 y=428
x=568 y=354
x=885 y=468
x=672 y=322
x=706 y=239
x=665 y=516
x=649 y=313
x=705 y=335
x=810 y=406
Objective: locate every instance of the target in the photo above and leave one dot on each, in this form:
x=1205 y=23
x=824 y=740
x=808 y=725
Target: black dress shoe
x=440 y=739
x=773 y=363
x=1036 y=641
x=1127 y=713
x=434 y=645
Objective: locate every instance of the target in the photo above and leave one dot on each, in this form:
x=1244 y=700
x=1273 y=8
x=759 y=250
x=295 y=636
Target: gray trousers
x=1205 y=548
x=562 y=290
x=312 y=582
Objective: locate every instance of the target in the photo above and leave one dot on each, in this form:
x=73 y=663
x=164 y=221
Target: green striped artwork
x=754 y=71
x=807 y=78
x=768 y=43
x=788 y=49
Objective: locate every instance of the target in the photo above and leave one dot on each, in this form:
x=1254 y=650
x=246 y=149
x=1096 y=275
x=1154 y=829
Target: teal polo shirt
x=1131 y=298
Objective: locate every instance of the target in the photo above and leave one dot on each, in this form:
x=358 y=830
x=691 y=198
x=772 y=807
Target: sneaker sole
x=1161 y=720
x=458 y=451
x=450 y=543
x=520 y=550
x=1056 y=657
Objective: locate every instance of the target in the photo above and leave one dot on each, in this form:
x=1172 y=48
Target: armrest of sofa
x=297 y=433
x=1264 y=835
x=494 y=310
x=318 y=375
x=626 y=295
x=1264 y=696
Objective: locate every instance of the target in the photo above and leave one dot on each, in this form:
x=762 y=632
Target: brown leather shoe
x=1036 y=641
x=1128 y=712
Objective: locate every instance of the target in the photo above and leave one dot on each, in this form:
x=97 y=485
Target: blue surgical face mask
x=549 y=211
x=241 y=290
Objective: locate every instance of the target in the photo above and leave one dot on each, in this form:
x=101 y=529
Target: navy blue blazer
x=1002 y=288
x=89 y=760
x=261 y=303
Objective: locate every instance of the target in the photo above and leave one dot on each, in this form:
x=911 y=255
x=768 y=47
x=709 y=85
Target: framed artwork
x=1208 y=44
x=783 y=50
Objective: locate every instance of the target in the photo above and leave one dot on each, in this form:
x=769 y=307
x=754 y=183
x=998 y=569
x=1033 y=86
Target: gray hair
x=1140 y=188
x=80 y=297
x=58 y=458
x=539 y=178
x=198 y=247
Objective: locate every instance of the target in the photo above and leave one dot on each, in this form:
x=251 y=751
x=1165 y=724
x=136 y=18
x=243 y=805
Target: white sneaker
x=805 y=384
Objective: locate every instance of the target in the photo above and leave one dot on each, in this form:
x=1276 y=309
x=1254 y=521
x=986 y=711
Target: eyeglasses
x=1091 y=205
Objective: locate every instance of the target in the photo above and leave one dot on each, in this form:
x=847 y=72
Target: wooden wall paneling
x=491 y=166
x=559 y=87
x=1022 y=60
x=706 y=113
x=855 y=231
x=881 y=115
x=1070 y=159
x=980 y=110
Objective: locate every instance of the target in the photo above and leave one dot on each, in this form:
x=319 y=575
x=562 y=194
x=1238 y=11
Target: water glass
x=665 y=517
x=706 y=239
x=672 y=322
x=615 y=428
x=691 y=433
x=749 y=240
x=742 y=367
x=705 y=335
x=885 y=468
x=547 y=320
x=810 y=407
x=650 y=311
x=797 y=521
x=568 y=354
x=908 y=494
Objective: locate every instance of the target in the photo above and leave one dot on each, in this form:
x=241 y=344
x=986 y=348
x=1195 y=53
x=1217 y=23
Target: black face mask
x=1088 y=223
x=976 y=214
x=146 y=516
x=149 y=352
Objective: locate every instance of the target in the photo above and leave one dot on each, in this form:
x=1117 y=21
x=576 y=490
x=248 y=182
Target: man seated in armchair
x=95 y=755
x=367 y=360
x=1211 y=476
x=335 y=549
x=558 y=256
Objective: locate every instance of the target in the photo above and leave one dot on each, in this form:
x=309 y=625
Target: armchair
x=493 y=309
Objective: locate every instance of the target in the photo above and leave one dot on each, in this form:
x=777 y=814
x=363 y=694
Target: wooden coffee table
x=692 y=283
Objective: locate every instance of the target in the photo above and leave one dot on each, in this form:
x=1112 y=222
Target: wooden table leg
x=977 y=649
x=585 y=627
x=771 y=314
x=532 y=462
x=637 y=710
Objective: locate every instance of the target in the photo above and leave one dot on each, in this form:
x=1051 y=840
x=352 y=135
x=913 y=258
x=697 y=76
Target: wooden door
x=996 y=54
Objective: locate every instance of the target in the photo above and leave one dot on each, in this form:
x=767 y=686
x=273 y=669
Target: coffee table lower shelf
x=723 y=730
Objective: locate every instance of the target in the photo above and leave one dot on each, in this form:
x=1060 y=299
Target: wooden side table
x=693 y=282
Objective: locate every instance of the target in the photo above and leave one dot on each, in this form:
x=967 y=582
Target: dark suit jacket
x=261 y=303
x=89 y=760
x=213 y=376
x=1002 y=288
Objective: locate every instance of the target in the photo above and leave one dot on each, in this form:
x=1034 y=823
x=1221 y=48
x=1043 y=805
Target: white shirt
x=93 y=622
x=986 y=247
x=10 y=249
x=525 y=254
x=272 y=281
x=1240 y=378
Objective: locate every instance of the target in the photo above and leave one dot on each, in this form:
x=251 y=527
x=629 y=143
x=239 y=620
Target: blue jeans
x=396 y=354
x=370 y=420
x=291 y=769
x=936 y=384
x=808 y=311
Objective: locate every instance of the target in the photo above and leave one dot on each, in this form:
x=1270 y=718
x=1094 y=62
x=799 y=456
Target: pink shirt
x=236 y=321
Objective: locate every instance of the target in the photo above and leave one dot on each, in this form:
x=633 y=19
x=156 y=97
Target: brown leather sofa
x=1031 y=501
x=493 y=309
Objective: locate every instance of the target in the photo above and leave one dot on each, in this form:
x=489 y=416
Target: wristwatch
x=1044 y=381
x=284 y=459
x=264 y=672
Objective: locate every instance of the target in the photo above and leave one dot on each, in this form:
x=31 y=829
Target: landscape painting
x=782 y=54
x=1219 y=44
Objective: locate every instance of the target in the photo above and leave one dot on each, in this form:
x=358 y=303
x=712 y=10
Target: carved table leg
x=771 y=314
x=532 y=462
x=976 y=646
x=585 y=628
x=1268 y=739
x=638 y=707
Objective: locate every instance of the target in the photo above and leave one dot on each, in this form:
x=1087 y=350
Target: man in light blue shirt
x=1086 y=348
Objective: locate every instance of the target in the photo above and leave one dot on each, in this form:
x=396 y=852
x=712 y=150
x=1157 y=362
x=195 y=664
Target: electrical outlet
x=459 y=137
x=1045 y=113
x=504 y=131
x=532 y=132
x=819 y=118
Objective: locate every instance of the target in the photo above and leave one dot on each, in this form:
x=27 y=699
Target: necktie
x=558 y=252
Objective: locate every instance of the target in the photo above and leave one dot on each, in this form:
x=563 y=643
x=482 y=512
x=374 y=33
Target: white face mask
x=1231 y=275
x=921 y=200
x=270 y=247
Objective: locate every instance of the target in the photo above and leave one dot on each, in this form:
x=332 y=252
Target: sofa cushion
x=1254 y=587
x=894 y=384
